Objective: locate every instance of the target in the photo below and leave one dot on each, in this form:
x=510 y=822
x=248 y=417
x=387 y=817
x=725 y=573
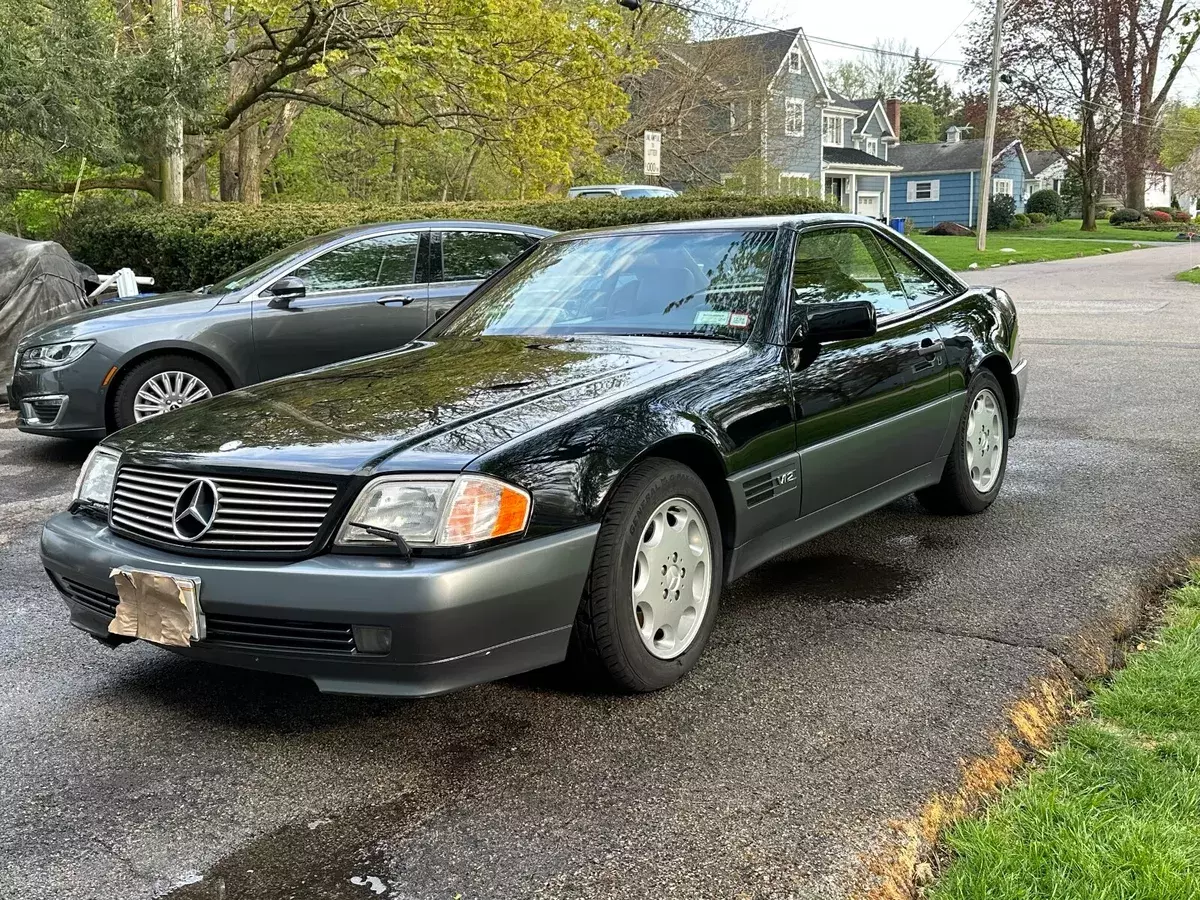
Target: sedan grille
x=250 y=514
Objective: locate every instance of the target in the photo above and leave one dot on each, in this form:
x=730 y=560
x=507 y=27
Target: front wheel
x=651 y=597
x=975 y=470
x=162 y=384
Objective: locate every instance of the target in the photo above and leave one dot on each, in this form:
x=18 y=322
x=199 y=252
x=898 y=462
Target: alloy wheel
x=985 y=441
x=672 y=578
x=167 y=391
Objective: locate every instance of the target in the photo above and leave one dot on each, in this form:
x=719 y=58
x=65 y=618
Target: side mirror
x=824 y=322
x=285 y=290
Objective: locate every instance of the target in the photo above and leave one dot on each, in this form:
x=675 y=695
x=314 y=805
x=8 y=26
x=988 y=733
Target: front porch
x=865 y=193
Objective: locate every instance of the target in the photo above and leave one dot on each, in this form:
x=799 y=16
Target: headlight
x=95 y=483
x=48 y=356
x=432 y=511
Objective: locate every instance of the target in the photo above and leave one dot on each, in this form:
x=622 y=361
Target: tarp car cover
x=38 y=282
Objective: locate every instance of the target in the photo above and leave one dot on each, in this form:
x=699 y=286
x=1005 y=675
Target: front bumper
x=81 y=413
x=454 y=622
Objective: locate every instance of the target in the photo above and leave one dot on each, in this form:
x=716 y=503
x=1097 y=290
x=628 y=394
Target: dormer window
x=873 y=146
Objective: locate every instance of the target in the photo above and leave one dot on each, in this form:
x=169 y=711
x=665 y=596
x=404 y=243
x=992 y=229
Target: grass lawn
x=1114 y=810
x=1191 y=275
x=959 y=252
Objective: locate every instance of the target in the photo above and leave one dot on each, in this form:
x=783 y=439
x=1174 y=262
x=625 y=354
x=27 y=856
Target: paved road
x=843 y=685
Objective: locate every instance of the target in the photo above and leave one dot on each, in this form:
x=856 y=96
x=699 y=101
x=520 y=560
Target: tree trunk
x=398 y=159
x=249 y=171
x=230 y=192
x=195 y=186
x=1133 y=164
x=466 y=186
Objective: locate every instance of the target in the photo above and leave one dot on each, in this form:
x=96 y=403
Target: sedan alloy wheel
x=168 y=391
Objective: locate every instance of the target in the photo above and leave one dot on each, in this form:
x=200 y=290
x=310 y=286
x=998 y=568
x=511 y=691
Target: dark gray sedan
x=341 y=295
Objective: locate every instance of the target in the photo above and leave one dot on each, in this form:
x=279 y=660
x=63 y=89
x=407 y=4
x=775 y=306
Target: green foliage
x=918 y=125
x=1047 y=202
x=1158 y=216
x=1180 y=134
x=1001 y=210
x=1021 y=221
x=1036 y=218
x=1181 y=215
x=1125 y=216
x=194 y=245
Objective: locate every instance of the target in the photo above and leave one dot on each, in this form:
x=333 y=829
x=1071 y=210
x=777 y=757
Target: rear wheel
x=162 y=384
x=652 y=595
x=975 y=470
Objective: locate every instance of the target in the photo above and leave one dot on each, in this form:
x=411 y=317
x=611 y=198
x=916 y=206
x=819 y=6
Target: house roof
x=737 y=60
x=1041 y=160
x=852 y=156
x=961 y=156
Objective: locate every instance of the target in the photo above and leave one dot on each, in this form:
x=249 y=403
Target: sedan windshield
x=701 y=284
x=257 y=270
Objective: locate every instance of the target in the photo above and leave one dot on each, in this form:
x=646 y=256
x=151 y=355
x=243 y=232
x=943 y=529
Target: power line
x=954 y=32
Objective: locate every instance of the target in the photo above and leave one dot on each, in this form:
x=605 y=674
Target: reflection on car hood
x=436 y=403
x=118 y=313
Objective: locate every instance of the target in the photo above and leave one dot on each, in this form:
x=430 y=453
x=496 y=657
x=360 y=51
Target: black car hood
x=430 y=404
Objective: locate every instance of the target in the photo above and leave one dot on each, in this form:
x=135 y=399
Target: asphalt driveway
x=844 y=683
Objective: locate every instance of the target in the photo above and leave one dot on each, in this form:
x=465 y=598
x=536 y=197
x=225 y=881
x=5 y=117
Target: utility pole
x=989 y=138
x=169 y=13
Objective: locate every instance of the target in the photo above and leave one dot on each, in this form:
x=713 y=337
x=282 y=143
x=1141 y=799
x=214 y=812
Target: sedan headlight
x=432 y=511
x=49 y=356
x=95 y=483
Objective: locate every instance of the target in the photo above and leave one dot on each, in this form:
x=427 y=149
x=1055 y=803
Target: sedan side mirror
x=285 y=290
x=845 y=321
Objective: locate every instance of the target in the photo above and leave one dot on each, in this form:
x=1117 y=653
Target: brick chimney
x=892 y=108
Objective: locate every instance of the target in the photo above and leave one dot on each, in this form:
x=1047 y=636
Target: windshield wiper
x=680 y=334
x=394 y=536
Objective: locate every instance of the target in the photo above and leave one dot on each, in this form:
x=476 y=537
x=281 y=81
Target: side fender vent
x=759 y=490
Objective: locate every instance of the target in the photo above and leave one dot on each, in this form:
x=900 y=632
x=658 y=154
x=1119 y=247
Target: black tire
x=605 y=642
x=956 y=494
x=132 y=381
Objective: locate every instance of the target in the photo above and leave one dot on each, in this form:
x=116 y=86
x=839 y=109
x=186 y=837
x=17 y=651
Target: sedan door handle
x=396 y=300
x=931 y=348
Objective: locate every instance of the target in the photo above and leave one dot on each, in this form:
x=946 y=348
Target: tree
x=850 y=78
x=918 y=125
x=921 y=83
x=1057 y=71
x=1180 y=134
x=1138 y=36
x=878 y=72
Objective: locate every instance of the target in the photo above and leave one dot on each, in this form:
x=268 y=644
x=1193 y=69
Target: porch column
x=853 y=192
x=887 y=196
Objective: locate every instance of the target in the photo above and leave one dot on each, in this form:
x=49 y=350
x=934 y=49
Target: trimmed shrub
x=1125 y=216
x=1037 y=218
x=1180 y=215
x=1001 y=211
x=185 y=247
x=1158 y=216
x=1021 y=221
x=1046 y=202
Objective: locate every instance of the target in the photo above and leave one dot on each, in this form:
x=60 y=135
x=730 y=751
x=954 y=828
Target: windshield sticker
x=712 y=317
x=739 y=320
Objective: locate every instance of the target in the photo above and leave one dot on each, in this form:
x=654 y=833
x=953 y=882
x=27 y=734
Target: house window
x=831 y=131
x=794 y=61
x=1002 y=187
x=924 y=191
x=796 y=184
x=739 y=116
x=873 y=146
x=793 y=120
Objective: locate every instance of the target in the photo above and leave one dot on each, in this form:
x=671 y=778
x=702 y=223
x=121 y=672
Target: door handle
x=396 y=299
x=931 y=348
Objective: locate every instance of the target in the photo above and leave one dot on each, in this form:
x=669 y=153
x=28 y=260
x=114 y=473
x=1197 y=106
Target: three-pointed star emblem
x=195 y=510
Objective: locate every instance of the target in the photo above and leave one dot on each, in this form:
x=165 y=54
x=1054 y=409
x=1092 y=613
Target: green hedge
x=1168 y=227
x=189 y=246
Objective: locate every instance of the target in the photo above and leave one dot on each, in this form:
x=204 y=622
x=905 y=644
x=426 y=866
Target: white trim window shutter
x=912 y=192
x=935 y=191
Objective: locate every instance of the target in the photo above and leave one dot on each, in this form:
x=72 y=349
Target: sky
x=924 y=24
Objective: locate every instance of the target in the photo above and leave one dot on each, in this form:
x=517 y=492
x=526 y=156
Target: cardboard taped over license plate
x=157 y=607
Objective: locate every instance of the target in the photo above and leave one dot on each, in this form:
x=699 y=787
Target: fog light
x=372 y=639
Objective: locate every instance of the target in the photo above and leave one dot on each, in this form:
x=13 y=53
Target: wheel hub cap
x=984 y=445
x=672 y=578
x=168 y=391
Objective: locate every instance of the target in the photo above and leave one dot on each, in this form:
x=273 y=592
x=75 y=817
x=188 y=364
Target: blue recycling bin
x=897 y=225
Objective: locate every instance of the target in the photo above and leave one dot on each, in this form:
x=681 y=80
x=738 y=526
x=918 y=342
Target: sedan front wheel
x=651 y=598
x=162 y=384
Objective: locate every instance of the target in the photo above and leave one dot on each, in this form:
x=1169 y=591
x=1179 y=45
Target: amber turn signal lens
x=484 y=508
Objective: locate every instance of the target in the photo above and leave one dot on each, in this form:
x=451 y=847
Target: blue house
x=940 y=182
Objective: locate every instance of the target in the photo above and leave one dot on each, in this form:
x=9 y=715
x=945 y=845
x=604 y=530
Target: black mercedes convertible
x=572 y=462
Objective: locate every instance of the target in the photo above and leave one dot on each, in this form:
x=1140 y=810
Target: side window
x=346 y=268
x=472 y=255
x=919 y=285
x=399 y=263
x=840 y=264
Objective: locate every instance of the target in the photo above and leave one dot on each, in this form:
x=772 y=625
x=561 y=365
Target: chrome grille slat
x=251 y=514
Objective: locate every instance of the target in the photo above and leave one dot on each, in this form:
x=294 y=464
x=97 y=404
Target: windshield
x=702 y=284
x=255 y=271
